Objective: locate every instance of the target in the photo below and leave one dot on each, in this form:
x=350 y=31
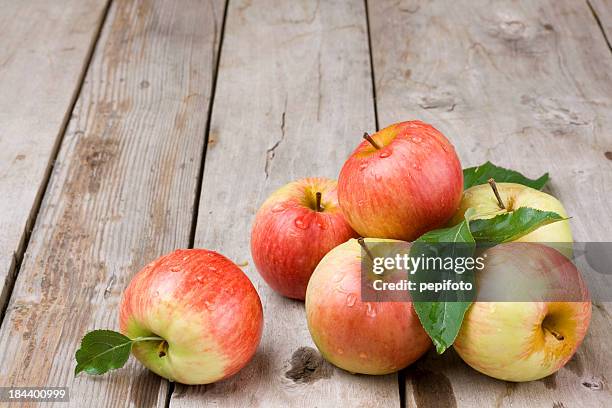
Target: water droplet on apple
x=175 y=268
x=278 y=208
x=370 y=310
x=209 y=305
x=363 y=166
x=385 y=154
x=337 y=277
x=340 y=289
x=185 y=258
x=340 y=351
x=301 y=223
x=417 y=139
x=322 y=222
x=351 y=299
x=200 y=278
x=416 y=166
x=212 y=269
x=363 y=355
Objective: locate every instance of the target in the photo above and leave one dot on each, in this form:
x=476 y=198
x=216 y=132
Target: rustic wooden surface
x=51 y=42
x=122 y=193
x=293 y=99
x=525 y=84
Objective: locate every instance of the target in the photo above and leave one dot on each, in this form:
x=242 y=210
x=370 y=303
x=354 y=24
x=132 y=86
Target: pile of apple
x=398 y=184
x=194 y=317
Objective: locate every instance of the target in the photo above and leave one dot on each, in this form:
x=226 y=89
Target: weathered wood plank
x=122 y=193
x=603 y=11
x=293 y=98
x=44 y=48
x=527 y=85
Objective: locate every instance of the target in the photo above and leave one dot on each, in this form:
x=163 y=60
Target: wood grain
x=121 y=194
x=528 y=86
x=44 y=48
x=293 y=99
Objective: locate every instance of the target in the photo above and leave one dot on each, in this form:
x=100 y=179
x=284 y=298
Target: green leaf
x=442 y=321
x=101 y=351
x=481 y=174
x=511 y=226
x=459 y=233
x=441 y=318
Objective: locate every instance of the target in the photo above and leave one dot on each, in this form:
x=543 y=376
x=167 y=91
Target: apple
x=535 y=314
x=203 y=306
x=401 y=182
x=483 y=199
x=294 y=228
x=358 y=336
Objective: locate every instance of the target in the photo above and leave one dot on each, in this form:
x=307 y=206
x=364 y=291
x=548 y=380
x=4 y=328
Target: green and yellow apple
x=483 y=200
x=205 y=310
x=355 y=335
x=532 y=312
x=401 y=182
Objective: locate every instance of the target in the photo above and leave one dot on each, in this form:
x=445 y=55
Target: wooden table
x=130 y=128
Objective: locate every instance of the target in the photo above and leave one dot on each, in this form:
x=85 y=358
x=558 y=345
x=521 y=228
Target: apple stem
x=365 y=248
x=494 y=187
x=152 y=338
x=162 y=349
x=555 y=334
x=318 y=199
x=367 y=137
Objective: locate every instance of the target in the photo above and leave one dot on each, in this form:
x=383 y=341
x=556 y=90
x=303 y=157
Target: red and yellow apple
x=294 y=228
x=532 y=313
x=203 y=307
x=401 y=182
x=358 y=336
x=513 y=196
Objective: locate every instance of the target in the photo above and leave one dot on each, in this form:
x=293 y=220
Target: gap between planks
x=372 y=75
x=213 y=91
x=199 y=183
x=599 y=24
x=401 y=374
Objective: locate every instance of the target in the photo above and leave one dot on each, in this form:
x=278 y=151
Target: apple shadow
x=243 y=383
